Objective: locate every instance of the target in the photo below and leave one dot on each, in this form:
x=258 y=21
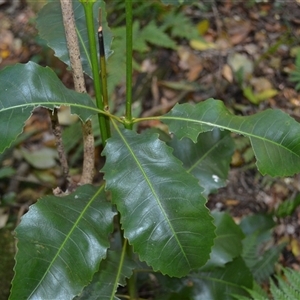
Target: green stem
x=103 y=72
x=103 y=123
x=103 y=68
x=131 y=282
x=128 y=115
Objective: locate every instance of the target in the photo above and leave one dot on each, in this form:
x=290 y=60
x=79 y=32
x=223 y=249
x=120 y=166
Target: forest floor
x=251 y=52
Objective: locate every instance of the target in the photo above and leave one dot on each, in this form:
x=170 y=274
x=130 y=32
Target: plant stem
x=128 y=115
x=131 y=282
x=103 y=67
x=103 y=123
x=56 y=129
x=78 y=78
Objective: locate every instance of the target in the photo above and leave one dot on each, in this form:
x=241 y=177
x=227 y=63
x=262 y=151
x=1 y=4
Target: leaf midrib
x=213 y=125
x=151 y=188
x=66 y=239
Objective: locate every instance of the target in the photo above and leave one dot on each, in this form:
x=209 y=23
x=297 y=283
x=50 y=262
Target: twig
x=59 y=145
x=74 y=53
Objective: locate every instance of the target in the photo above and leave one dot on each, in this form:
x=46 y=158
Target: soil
x=262 y=37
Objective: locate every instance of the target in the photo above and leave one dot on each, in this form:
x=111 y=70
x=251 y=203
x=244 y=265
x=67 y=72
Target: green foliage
x=160 y=202
x=152 y=33
x=286 y=289
x=36 y=86
x=198 y=158
x=273 y=134
x=281 y=289
x=51 y=29
x=157 y=189
x=259 y=258
x=113 y=273
x=287 y=207
x=58 y=241
x=180 y=26
x=295 y=75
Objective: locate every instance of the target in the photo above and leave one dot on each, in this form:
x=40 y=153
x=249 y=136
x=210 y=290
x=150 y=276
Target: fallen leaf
x=238 y=30
x=3 y=217
x=256 y=98
x=203 y=26
x=260 y=84
x=240 y=62
x=227 y=73
x=266 y=94
x=295 y=247
x=41 y=159
x=201 y=45
x=191 y=62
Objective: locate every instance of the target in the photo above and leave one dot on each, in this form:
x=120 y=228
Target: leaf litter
x=245 y=55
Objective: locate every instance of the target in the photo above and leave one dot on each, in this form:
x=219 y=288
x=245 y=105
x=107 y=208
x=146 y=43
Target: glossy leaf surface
x=274 y=135
x=26 y=86
x=228 y=242
x=61 y=241
x=220 y=283
x=260 y=258
x=51 y=29
x=208 y=159
x=162 y=210
x=113 y=272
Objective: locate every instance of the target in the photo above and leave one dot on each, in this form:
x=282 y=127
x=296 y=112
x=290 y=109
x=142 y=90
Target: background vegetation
x=243 y=53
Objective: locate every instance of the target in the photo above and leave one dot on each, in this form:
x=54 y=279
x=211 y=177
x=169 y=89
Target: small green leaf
x=208 y=159
x=113 y=272
x=162 y=210
x=61 y=241
x=259 y=259
x=287 y=207
x=220 y=283
x=51 y=29
x=286 y=289
x=274 y=135
x=228 y=243
x=7 y=172
x=27 y=86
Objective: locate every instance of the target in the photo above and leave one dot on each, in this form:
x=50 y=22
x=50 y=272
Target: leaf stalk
x=103 y=123
x=128 y=112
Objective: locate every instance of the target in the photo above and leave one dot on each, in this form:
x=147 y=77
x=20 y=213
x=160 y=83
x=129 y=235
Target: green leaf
x=286 y=290
x=162 y=210
x=257 y=223
x=208 y=159
x=257 y=293
x=220 y=283
x=113 y=272
x=26 y=86
x=259 y=259
x=265 y=264
x=154 y=35
x=275 y=136
x=181 y=26
x=51 y=29
x=61 y=241
x=7 y=172
x=228 y=243
x=287 y=207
